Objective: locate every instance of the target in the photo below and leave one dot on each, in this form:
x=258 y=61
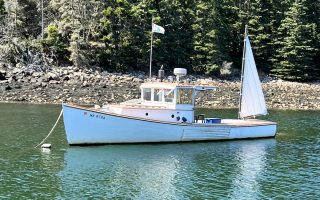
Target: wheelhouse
x=171 y=94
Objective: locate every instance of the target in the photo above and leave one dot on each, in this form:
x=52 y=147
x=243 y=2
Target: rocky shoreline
x=88 y=86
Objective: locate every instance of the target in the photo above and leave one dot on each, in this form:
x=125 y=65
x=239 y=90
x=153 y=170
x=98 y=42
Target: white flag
x=157 y=29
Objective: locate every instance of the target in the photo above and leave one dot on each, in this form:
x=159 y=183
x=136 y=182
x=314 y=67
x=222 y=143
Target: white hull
x=89 y=126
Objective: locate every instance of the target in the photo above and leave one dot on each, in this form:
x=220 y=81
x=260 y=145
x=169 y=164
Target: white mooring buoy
x=46 y=146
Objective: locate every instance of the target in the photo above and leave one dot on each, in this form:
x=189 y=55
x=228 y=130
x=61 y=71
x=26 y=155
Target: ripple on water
x=286 y=167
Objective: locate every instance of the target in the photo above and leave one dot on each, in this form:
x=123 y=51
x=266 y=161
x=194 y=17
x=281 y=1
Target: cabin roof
x=172 y=85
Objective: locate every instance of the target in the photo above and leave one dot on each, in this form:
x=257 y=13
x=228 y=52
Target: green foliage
x=117 y=35
x=200 y=35
x=2 y=9
x=296 y=50
x=261 y=23
x=53 y=46
x=52 y=31
x=213 y=70
x=206 y=56
x=2 y=15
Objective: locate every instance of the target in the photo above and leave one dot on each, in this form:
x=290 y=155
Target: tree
x=117 y=35
x=260 y=22
x=206 y=56
x=78 y=23
x=2 y=19
x=297 y=39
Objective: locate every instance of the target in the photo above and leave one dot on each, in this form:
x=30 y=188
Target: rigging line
x=51 y=129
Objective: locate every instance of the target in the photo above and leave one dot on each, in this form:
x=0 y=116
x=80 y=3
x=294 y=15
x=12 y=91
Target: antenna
x=161 y=73
x=179 y=72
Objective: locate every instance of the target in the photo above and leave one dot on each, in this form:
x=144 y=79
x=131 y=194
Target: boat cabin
x=164 y=101
x=171 y=95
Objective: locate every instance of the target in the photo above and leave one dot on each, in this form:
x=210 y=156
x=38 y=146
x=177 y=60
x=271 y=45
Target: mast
x=242 y=67
x=151 y=49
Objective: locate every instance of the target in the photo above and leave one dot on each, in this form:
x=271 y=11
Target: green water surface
x=287 y=167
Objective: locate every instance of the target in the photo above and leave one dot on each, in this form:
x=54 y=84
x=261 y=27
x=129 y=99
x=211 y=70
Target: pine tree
x=314 y=17
x=23 y=18
x=260 y=23
x=117 y=35
x=176 y=45
x=296 y=41
x=2 y=9
x=206 y=57
x=228 y=27
x=2 y=18
x=78 y=26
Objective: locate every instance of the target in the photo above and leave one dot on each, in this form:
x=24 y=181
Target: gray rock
x=4 y=81
x=7 y=88
x=19 y=65
x=51 y=76
x=3 y=75
x=17 y=71
x=11 y=79
x=37 y=74
x=44 y=84
x=53 y=82
x=33 y=80
x=66 y=78
x=65 y=72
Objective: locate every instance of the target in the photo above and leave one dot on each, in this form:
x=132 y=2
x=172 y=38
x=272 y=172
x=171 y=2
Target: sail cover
x=252 y=99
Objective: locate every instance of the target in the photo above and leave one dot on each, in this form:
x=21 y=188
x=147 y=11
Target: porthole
x=172 y=116
x=147 y=114
x=184 y=119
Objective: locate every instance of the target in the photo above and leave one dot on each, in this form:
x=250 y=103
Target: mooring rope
x=51 y=129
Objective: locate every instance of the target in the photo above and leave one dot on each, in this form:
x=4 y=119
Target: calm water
x=287 y=167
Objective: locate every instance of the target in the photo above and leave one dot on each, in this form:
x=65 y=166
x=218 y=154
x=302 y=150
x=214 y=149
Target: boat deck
x=237 y=122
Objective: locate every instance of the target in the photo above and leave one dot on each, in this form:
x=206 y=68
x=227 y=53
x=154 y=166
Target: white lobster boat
x=166 y=113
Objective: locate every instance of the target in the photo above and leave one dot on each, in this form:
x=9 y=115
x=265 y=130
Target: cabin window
x=184 y=96
x=157 y=94
x=146 y=92
x=168 y=95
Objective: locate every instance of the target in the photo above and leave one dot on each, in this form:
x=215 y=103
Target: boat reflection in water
x=251 y=165
x=166 y=171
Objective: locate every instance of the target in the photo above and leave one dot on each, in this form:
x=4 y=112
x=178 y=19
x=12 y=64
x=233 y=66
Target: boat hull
x=85 y=126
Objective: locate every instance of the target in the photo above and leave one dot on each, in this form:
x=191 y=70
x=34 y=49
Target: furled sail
x=252 y=98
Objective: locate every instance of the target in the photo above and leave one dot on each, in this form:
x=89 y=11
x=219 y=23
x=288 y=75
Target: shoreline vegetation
x=205 y=37
x=40 y=39
x=88 y=86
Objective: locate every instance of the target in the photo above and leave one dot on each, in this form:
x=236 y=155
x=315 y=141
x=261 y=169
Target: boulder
x=44 y=84
x=17 y=71
x=7 y=88
x=51 y=76
x=3 y=74
x=37 y=74
x=53 y=82
x=33 y=80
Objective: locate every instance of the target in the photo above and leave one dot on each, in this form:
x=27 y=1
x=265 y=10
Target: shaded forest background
x=204 y=36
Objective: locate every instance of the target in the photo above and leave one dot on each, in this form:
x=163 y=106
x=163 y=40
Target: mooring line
x=51 y=129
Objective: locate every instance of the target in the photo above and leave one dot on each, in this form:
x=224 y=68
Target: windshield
x=157 y=94
x=168 y=95
x=184 y=96
x=146 y=94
